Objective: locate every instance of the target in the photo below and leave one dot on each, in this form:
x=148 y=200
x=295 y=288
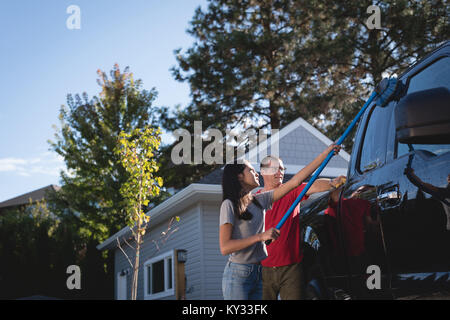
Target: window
x=158 y=276
x=434 y=76
x=431 y=150
x=391 y=141
x=373 y=149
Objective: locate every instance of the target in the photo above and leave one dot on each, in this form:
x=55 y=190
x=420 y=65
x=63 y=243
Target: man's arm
x=321 y=185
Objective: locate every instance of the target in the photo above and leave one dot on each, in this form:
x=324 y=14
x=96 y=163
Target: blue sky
x=41 y=61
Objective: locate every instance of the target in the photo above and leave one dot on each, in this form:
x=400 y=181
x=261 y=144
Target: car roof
x=420 y=64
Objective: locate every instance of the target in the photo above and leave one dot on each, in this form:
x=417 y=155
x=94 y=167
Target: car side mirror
x=423 y=117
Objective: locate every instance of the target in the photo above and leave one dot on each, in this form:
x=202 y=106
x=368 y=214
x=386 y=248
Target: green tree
x=35 y=249
x=248 y=68
x=180 y=175
x=90 y=202
x=271 y=61
x=87 y=139
x=408 y=31
x=137 y=155
x=250 y=62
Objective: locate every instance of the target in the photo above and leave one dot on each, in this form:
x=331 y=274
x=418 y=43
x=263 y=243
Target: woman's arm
x=296 y=180
x=229 y=245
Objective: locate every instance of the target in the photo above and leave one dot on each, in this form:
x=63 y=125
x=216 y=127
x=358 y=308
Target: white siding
x=214 y=262
x=121 y=263
x=187 y=237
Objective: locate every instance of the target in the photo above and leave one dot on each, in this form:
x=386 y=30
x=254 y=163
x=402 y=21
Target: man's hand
x=337 y=182
x=323 y=184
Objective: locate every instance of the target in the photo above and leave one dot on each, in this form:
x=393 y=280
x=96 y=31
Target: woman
x=241 y=232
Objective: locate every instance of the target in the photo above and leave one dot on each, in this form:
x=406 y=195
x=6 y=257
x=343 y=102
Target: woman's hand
x=271 y=234
x=331 y=147
x=229 y=245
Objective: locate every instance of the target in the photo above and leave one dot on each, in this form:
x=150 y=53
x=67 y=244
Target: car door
x=393 y=215
x=417 y=228
x=359 y=213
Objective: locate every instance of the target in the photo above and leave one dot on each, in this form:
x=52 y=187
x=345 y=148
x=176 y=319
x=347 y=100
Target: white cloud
x=46 y=163
x=11 y=164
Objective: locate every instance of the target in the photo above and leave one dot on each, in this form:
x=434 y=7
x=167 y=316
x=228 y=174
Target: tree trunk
x=134 y=285
x=274 y=116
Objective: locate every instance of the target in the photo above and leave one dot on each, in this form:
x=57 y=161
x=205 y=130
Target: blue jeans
x=242 y=281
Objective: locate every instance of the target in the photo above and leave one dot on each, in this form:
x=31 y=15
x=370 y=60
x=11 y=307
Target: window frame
x=363 y=139
x=360 y=132
x=392 y=142
x=408 y=81
x=167 y=291
x=423 y=68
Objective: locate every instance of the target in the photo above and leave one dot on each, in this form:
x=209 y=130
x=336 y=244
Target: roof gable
x=298 y=144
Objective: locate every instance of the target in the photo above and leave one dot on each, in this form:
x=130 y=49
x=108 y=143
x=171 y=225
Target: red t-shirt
x=286 y=249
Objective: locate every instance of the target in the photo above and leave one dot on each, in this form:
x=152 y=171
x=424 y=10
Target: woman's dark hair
x=233 y=191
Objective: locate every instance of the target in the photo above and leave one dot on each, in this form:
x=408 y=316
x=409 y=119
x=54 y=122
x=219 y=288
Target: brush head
x=386 y=90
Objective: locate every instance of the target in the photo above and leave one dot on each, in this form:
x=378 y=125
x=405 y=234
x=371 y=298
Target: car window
x=434 y=76
x=391 y=141
x=373 y=151
x=430 y=149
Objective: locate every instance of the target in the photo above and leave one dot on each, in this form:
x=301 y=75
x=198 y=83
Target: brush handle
x=322 y=166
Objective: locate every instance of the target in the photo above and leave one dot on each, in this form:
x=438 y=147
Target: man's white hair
x=265 y=166
x=267 y=160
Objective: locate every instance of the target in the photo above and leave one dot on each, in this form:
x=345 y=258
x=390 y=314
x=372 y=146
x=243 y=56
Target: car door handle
x=389 y=195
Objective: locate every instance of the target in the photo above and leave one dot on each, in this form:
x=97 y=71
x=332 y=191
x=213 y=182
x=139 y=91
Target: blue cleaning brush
x=386 y=90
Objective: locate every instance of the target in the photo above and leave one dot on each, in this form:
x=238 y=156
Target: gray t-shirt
x=246 y=228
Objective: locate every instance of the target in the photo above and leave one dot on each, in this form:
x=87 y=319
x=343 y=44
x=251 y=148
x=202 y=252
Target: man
x=282 y=270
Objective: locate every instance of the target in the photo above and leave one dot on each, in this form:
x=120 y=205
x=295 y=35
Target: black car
x=386 y=232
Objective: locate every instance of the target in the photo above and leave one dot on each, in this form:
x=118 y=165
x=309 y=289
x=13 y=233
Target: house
x=23 y=200
x=196 y=234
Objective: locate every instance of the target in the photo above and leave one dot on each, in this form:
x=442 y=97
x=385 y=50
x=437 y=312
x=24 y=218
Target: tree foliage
x=87 y=140
x=36 y=247
x=409 y=30
x=264 y=63
x=251 y=60
x=90 y=202
x=136 y=151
